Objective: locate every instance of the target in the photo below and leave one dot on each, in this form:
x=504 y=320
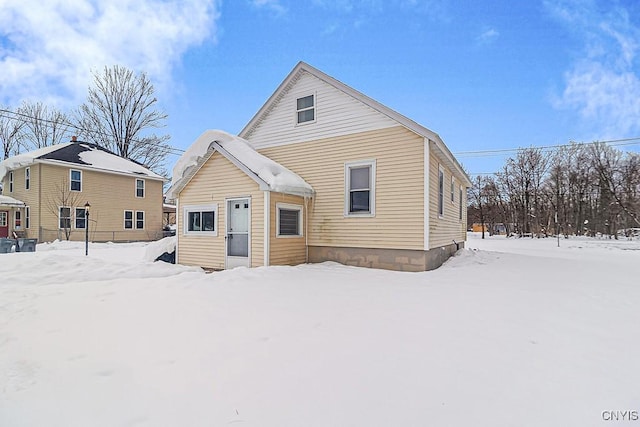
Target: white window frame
x=143 y=188
x=75 y=218
x=453 y=190
x=71 y=180
x=290 y=207
x=27 y=178
x=460 y=212
x=10 y=181
x=5 y=219
x=27 y=217
x=144 y=220
x=313 y=107
x=200 y=208
x=440 y=191
x=60 y=217
x=372 y=188
x=17 y=216
x=133 y=218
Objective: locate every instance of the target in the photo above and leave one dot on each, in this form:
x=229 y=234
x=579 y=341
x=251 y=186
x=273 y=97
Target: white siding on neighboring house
x=336 y=114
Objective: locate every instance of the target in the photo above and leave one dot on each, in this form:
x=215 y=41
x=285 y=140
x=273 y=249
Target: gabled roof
x=269 y=175
x=303 y=67
x=81 y=154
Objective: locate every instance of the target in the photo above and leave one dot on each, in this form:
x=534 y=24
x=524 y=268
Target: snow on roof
x=104 y=160
x=269 y=174
x=78 y=153
x=10 y=201
x=25 y=159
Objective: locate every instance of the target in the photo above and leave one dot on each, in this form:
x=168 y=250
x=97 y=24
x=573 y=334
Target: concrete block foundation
x=388 y=259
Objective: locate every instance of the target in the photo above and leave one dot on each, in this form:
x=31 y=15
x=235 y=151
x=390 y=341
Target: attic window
x=305 y=109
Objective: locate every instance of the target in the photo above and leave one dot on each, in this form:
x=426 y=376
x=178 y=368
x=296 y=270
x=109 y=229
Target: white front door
x=238 y=220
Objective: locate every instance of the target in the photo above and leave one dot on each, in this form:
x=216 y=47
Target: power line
x=546 y=148
x=3 y=113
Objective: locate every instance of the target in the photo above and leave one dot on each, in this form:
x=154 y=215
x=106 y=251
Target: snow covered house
x=45 y=192
x=321 y=172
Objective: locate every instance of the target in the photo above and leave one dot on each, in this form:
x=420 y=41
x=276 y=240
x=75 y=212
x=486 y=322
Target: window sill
x=298 y=236
x=201 y=234
x=357 y=215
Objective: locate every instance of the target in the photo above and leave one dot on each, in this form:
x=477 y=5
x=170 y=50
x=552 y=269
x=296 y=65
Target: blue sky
x=482 y=74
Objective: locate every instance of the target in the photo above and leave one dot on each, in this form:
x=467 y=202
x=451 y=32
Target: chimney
x=74 y=138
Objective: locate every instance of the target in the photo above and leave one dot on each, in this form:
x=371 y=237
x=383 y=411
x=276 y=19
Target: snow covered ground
x=509 y=333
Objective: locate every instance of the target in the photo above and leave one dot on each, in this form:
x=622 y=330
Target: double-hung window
x=17 y=220
x=440 y=191
x=11 y=182
x=75 y=178
x=27 y=178
x=27 y=217
x=64 y=218
x=81 y=218
x=201 y=220
x=288 y=220
x=460 y=207
x=139 y=220
x=306 y=109
x=128 y=220
x=139 y=187
x=360 y=179
x=453 y=190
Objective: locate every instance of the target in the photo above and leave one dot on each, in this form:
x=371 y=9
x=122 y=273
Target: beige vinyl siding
x=336 y=114
x=443 y=230
x=217 y=180
x=109 y=195
x=286 y=250
x=29 y=197
x=399 y=187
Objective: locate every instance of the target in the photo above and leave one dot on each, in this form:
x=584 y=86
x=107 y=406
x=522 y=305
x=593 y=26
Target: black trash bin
x=6 y=245
x=26 y=245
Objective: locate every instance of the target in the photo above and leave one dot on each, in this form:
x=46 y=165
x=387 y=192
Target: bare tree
x=119 y=113
x=62 y=202
x=10 y=132
x=44 y=126
x=477 y=196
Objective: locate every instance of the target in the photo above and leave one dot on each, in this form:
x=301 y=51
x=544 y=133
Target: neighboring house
x=45 y=192
x=321 y=172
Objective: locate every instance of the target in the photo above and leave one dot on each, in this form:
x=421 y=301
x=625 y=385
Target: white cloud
x=273 y=5
x=603 y=85
x=48 y=49
x=487 y=36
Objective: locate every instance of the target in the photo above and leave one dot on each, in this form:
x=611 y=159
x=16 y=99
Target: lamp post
x=86 y=228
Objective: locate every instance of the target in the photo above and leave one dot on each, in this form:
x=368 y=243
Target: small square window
x=288 y=220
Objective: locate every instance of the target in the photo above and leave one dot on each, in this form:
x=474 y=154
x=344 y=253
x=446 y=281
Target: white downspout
x=178 y=228
x=267 y=226
x=427 y=171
